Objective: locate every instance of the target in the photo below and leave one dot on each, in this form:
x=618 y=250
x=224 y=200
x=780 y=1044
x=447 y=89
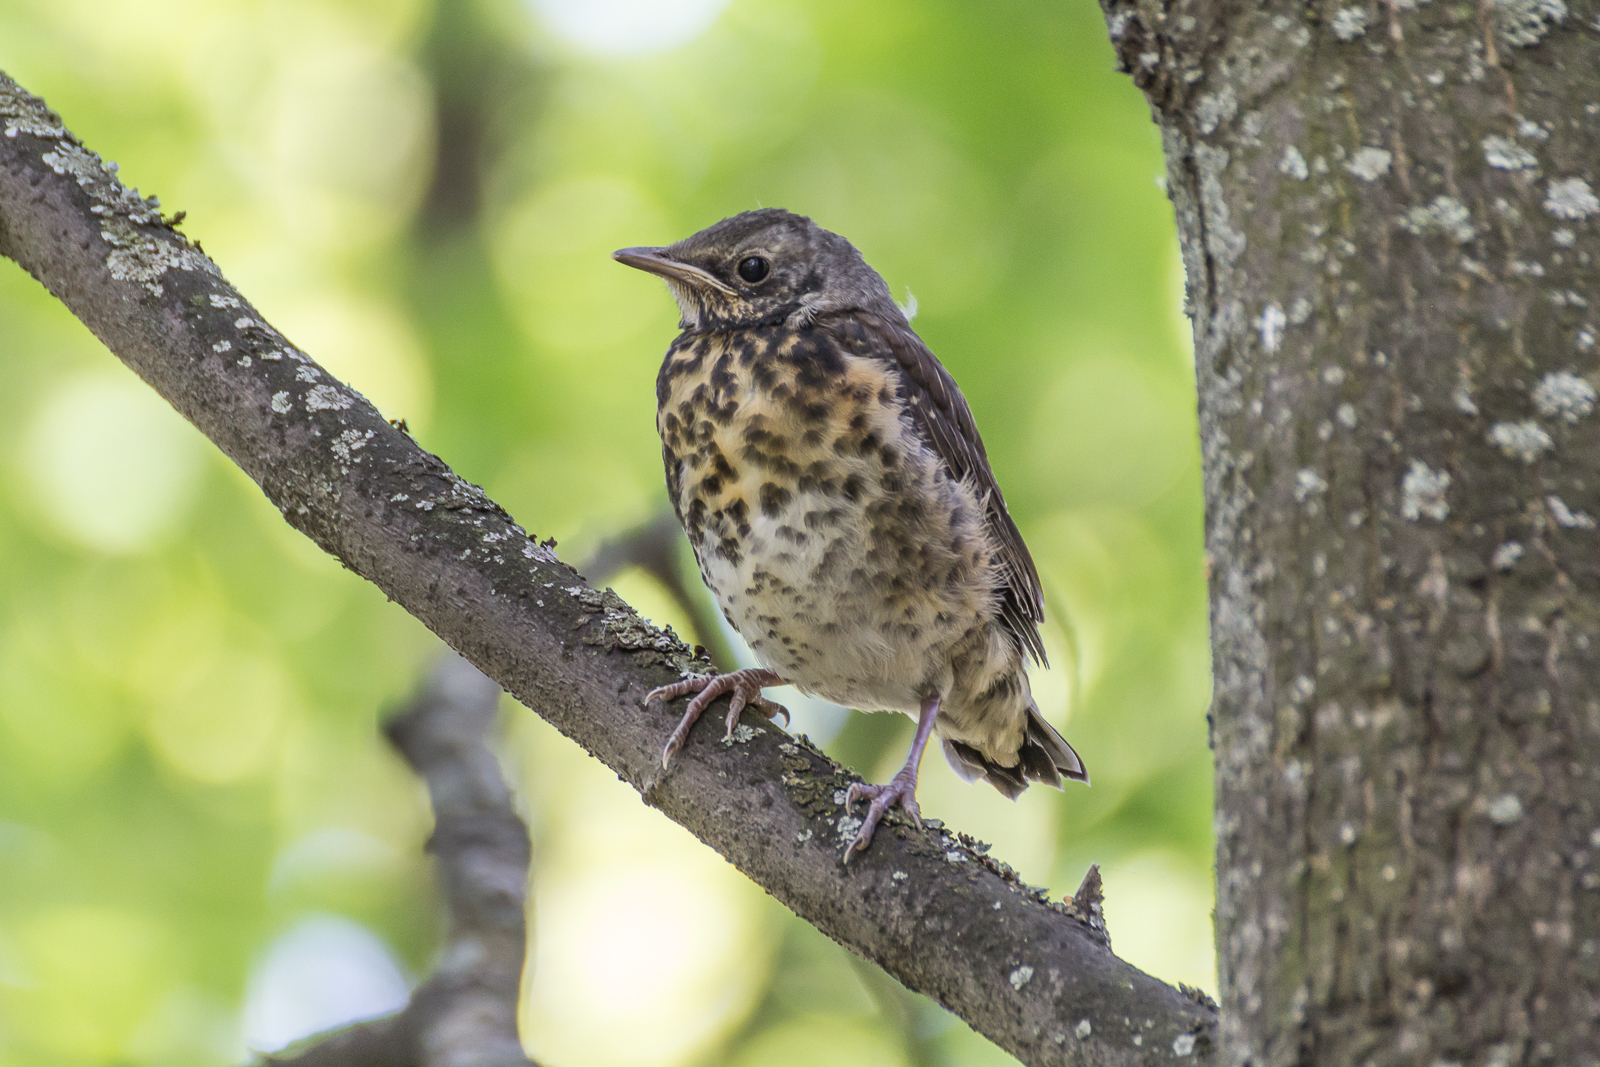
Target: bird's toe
x=900 y=790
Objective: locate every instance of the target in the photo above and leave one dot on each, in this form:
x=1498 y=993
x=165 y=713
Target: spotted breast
x=831 y=535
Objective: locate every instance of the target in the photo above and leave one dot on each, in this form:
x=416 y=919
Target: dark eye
x=753 y=268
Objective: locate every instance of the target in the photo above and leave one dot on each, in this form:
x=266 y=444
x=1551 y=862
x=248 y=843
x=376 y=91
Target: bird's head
x=763 y=267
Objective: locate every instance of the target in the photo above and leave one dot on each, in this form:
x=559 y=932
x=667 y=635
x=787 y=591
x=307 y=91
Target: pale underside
x=858 y=597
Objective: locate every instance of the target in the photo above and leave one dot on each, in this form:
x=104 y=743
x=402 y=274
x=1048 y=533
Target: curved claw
x=745 y=685
x=901 y=790
x=760 y=705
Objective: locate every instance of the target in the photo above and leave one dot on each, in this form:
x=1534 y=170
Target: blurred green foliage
x=423 y=194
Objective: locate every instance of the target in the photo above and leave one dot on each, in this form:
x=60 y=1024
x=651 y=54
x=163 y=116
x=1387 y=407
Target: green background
x=423 y=194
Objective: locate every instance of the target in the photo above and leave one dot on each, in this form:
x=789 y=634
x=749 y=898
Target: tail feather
x=1043 y=738
x=1045 y=757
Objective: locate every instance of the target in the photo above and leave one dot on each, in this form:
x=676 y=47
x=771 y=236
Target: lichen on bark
x=1406 y=721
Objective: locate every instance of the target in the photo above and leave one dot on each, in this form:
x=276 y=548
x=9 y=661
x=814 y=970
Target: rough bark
x=1389 y=224
x=1038 y=978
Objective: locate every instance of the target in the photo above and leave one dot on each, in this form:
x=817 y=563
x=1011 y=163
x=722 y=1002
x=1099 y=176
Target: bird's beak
x=658 y=261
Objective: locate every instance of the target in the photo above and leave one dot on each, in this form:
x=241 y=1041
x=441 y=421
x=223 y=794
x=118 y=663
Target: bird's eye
x=753 y=268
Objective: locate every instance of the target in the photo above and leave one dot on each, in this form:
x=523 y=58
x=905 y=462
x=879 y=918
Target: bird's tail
x=1045 y=757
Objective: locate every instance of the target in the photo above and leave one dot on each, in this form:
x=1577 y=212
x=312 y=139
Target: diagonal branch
x=1037 y=978
x=465 y=1015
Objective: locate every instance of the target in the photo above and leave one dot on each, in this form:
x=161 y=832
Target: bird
x=831 y=480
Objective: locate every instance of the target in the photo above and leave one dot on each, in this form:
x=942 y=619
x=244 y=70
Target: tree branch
x=1037 y=978
x=465 y=1015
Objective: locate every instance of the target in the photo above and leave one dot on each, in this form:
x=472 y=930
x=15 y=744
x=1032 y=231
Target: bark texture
x=1038 y=978
x=1389 y=222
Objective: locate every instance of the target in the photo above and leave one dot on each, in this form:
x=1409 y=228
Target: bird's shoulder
x=941 y=416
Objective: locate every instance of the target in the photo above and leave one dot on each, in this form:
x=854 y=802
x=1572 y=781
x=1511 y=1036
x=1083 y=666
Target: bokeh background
x=205 y=847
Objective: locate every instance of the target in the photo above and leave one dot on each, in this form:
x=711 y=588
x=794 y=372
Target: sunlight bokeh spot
x=351 y=141
x=640 y=932
x=91 y=974
x=188 y=1027
x=323 y=972
x=821 y=1039
x=220 y=721
x=553 y=251
x=58 y=716
x=1097 y=561
x=654 y=954
x=1158 y=907
x=628 y=27
x=111 y=464
x=326 y=853
x=1111 y=429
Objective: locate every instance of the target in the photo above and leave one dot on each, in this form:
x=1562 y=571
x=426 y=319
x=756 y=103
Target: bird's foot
x=746 y=688
x=901 y=790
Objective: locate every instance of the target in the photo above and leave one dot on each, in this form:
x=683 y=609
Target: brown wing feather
x=942 y=416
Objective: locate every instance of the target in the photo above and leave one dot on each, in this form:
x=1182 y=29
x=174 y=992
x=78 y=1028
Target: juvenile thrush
x=831 y=479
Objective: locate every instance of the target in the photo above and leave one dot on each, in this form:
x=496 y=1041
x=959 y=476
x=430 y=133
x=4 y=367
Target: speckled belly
x=828 y=533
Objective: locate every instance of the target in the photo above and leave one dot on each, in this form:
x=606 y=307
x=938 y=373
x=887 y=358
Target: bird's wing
x=941 y=415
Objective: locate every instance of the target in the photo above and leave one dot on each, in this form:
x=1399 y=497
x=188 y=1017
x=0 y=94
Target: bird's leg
x=745 y=686
x=901 y=789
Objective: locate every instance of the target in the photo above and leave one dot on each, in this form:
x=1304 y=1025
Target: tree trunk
x=1389 y=221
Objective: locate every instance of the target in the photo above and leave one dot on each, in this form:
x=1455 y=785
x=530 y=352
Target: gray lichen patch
x=1506 y=555
x=1524 y=440
x=1445 y=215
x=1213 y=109
x=1524 y=22
x=1349 y=23
x=1571 y=198
x=1562 y=394
x=327 y=398
x=1294 y=164
x=1423 y=491
x=1505 y=809
x=1271 y=324
x=742 y=734
x=349 y=443
x=141 y=256
x=1223 y=241
x=622 y=627
x=1309 y=486
x=1565 y=516
x=142 y=247
x=1505 y=154
x=22 y=112
x=1368 y=163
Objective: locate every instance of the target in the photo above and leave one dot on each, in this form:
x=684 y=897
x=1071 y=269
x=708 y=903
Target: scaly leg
x=746 y=688
x=901 y=789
